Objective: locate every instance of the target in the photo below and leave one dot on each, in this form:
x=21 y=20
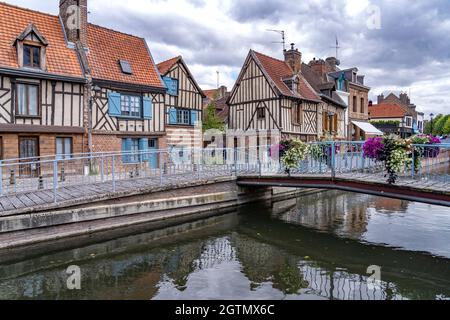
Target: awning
x=368 y=128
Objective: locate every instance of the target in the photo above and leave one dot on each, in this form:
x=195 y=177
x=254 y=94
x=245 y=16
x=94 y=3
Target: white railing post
x=55 y=180
x=160 y=168
x=103 y=168
x=113 y=171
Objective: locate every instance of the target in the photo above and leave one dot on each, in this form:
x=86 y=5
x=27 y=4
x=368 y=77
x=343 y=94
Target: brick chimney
x=405 y=99
x=319 y=67
x=222 y=92
x=73 y=14
x=293 y=58
x=380 y=98
x=333 y=63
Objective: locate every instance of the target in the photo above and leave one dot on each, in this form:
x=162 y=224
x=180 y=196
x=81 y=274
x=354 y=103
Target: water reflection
x=317 y=247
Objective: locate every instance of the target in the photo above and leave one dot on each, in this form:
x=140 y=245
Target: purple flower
x=373 y=148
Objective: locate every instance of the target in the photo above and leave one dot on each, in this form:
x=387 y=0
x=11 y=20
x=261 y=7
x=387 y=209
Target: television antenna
x=337 y=47
x=283 y=37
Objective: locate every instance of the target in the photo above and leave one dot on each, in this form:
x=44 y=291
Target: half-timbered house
x=126 y=92
x=183 y=105
x=272 y=94
x=41 y=87
x=332 y=113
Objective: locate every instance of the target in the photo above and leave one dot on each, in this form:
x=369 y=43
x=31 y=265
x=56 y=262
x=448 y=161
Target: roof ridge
x=270 y=57
x=27 y=9
x=116 y=31
x=165 y=61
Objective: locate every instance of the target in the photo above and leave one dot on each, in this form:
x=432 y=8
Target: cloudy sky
x=401 y=45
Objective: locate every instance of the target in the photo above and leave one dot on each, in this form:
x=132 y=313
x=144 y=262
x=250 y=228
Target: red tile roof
x=165 y=66
x=14 y=20
x=387 y=110
x=107 y=47
x=211 y=94
x=278 y=70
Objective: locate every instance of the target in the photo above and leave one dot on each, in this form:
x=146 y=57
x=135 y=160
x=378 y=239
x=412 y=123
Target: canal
x=319 y=246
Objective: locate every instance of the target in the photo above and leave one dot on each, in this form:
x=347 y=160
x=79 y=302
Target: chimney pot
x=74 y=14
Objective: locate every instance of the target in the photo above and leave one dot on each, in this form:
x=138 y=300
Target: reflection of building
x=345 y=213
x=265 y=263
x=389 y=205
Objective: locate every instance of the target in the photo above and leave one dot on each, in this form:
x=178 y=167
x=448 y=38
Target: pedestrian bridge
x=431 y=192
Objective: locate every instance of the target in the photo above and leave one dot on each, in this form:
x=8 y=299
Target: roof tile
x=387 y=110
x=14 y=20
x=107 y=47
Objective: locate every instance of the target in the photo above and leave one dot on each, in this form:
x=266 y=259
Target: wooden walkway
x=82 y=194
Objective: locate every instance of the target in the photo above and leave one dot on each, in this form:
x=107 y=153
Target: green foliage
x=446 y=129
x=385 y=122
x=438 y=127
x=212 y=121
x=427 y=129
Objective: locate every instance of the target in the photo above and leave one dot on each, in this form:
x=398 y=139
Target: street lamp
x=431 y=116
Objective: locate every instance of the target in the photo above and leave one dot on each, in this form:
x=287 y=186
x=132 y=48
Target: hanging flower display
x=427 y=151
x=294 y=152
x=394 y=152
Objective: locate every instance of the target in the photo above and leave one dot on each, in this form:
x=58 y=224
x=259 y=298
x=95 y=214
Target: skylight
x=126 y=67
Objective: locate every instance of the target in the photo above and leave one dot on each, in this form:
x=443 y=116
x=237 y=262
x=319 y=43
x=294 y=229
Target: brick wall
x=47 y=144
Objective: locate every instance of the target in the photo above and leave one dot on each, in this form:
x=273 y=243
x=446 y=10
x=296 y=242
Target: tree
x=212 y=121
x=446 y=130
x=427 y=129
x=438 y=126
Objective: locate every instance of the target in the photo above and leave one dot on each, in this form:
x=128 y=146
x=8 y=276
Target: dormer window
x=31 y=48
x=31 y=56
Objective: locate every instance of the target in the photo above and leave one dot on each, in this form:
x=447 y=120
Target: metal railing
x=56 y=176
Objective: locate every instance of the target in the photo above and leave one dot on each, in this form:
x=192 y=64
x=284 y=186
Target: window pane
x=36 y=57
x=26 y=56
x=21 y=99
x=68 y=146
x=33 y=100
x=59 y=148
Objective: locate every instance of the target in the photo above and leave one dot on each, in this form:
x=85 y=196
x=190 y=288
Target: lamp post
x=94 y=91
x=431 y=116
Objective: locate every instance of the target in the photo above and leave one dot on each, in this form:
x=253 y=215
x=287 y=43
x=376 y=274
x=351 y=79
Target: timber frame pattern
x=254 y=90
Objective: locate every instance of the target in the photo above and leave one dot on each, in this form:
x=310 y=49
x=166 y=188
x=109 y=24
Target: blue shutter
x=114 y=104
x=143 y=148
x=148 y=108
x=194 y=117
x=126 y=147
x=172 y=86
x=172 y=115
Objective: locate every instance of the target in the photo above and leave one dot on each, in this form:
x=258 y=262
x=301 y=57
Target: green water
x=313 y=247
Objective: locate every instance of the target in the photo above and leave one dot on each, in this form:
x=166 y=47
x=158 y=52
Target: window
x=183 y=116
x=27 y=100
x=130 y=106
x=125 y=66
x=355 y=106
x=63 y=148
x=131 y=148
x=408 y=121
x=362 y=106
x=172 y=85
x=31 y=56
x=261 y=112
x=297 y=114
